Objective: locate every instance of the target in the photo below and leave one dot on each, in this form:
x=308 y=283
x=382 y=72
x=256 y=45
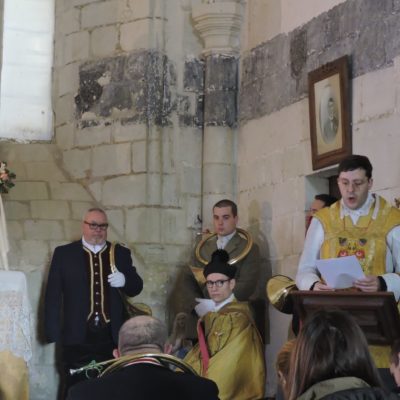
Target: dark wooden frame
x=330 y=81
x=376 y=313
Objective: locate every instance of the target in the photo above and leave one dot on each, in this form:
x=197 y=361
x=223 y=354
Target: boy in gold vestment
x=230 y=350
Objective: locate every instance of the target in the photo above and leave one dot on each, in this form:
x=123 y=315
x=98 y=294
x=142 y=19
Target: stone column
x=218 y=23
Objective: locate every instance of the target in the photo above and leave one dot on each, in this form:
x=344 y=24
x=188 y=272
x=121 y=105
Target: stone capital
x=219 y=26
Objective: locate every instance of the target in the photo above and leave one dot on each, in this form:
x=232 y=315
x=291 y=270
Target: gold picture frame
x=329 y=110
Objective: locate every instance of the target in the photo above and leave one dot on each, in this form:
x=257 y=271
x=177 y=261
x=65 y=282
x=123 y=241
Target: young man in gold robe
x=229 y=350
x=361 y=224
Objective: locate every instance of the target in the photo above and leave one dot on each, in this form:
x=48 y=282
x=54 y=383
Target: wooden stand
x=376 y=313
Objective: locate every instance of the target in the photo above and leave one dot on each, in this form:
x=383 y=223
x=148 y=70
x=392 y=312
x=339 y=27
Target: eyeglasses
x=218 y=283
x=93 y=226
x=354 y=184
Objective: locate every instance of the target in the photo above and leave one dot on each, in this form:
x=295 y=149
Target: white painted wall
x=25 y=96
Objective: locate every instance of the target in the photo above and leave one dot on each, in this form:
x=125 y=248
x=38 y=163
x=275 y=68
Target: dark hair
x=394 y=352
x=326 y=198
x=354 y=162
x=330 y=345
x=227 y=203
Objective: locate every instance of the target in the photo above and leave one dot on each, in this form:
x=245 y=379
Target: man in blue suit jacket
x=83 y=302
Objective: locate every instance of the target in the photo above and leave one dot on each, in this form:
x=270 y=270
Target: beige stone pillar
x=218 y=24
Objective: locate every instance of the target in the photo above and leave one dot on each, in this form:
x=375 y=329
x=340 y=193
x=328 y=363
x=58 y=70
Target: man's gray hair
x=93 y=209
x=141 y=331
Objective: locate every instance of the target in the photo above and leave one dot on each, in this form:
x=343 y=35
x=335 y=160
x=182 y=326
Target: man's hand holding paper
x=345 y=272
x=368 y=284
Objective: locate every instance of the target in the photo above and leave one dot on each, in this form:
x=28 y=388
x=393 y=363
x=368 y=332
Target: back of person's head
x=227 y=203
x=142 y=333
x=394 y=352
x=326 y=198
x=354 y=162
x=330 y=345
x=395 y=361
x=282 y=363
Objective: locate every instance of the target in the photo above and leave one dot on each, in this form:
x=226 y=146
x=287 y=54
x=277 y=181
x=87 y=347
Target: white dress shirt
x=94 y=248
x=307 y=273
x=222 y=241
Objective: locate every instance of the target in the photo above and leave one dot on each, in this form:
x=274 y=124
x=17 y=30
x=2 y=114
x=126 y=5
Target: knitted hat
x=219 y=264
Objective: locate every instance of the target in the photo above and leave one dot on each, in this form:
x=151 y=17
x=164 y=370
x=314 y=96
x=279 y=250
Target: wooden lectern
x=376 y=313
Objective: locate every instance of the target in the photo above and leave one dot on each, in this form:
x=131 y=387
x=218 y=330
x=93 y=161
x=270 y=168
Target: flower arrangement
x=6 y=178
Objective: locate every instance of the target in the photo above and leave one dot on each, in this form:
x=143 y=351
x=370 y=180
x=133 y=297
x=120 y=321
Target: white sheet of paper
x=340 y=273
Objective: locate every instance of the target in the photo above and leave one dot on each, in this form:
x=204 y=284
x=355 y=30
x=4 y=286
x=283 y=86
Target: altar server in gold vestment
x=229 y=350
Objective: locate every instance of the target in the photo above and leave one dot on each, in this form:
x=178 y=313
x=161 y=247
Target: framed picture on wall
x=329 y=113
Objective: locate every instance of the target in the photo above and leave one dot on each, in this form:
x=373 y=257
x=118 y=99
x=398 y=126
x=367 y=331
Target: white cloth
x=222 y=241
x=15 y=315
x=307 y=272
x=94 y=248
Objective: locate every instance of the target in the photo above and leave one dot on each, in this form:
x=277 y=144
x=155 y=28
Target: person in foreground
x=145 y=378
x=229 y=350
x=83 y=304
x=361 y=224
x=282 y=366
x=395 y=364
x=331 y=361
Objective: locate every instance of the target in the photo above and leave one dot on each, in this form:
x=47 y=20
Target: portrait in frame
x=329 y=113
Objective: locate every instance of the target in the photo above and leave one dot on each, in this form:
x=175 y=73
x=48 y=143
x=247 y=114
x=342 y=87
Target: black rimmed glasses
x=94 y=227
x=218 y=283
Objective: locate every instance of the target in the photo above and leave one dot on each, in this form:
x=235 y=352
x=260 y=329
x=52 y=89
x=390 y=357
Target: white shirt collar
x=222 y=241
x=94 y=248
x=218 y=306
x=362 y=211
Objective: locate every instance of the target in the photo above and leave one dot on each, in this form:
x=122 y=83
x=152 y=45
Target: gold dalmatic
x=366 y=240
x=235 y=355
